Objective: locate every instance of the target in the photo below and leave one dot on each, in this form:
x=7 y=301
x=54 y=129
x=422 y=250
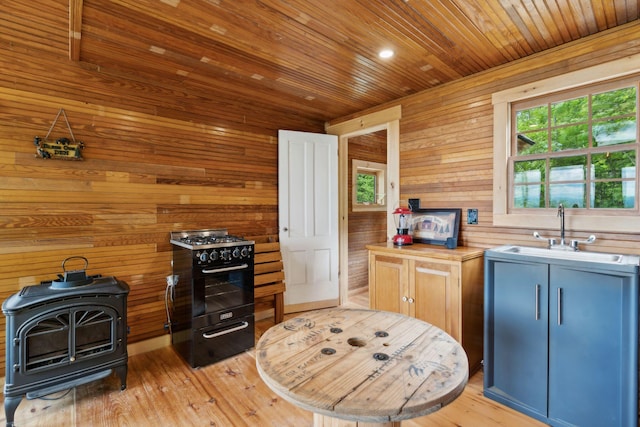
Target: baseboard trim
x=315 y=305
x=149 y=345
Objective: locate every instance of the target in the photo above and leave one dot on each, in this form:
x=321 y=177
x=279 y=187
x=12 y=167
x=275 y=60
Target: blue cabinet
x=561 y=339
x=519 y=344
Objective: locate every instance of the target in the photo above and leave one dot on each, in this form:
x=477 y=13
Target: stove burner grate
x=206 y=238
x=210 y=240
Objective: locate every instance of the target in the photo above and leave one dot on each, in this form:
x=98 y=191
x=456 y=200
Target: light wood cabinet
x=441 y=286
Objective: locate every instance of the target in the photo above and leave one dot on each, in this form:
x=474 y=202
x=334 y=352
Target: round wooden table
x=368 y=366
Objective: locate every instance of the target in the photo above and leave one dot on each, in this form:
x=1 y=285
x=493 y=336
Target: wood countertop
x=461 y=253
x=362 y=365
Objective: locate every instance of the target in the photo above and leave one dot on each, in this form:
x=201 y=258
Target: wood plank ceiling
x=319 y=58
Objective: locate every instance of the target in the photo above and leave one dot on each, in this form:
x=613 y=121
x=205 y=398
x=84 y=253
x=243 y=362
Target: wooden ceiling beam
x=75 y=29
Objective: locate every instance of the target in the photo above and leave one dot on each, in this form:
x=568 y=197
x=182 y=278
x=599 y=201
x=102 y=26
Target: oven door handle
x=222 y=270
x=243 y=325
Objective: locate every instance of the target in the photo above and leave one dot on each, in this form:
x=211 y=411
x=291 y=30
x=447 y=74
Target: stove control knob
x=214 y=255
x=203 y=256
x=225 y=254
x=244 y=252
x=236 y=253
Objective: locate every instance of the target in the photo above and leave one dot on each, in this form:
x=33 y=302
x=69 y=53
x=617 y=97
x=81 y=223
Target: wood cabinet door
x=435 y=289
x=388 y=283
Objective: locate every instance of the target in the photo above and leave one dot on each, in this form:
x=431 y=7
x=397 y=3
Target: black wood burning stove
x=64 y=333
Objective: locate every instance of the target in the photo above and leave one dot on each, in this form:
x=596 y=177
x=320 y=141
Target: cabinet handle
x=559 y=306
x=411 y=300
x=537 y=301
x=405 y=299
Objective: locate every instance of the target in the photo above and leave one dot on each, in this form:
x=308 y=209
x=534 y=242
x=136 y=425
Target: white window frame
x=547 y=218
x=380 y=172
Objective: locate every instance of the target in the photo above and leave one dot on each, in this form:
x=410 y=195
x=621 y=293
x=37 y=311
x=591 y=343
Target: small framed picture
x=436 y=226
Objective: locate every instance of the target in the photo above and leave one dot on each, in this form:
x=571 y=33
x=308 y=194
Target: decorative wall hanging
x=62 y=148
x=436 y=226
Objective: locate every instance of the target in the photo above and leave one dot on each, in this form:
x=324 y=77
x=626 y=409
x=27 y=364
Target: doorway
x=386 y=120
x=367 y=214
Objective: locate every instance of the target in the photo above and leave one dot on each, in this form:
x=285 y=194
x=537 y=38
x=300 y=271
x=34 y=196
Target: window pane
x=532 y=143
x=529 y=171
x=570 y=111
x=528 y=196
x=570 y=195
x=614 y=165
x=622 y=131
x=567 y=168
x=529 y=189
x=366 y=185
x=613 y=194
x=614 y=103
x=532 y=119
x=629 y=187
x=570 y=138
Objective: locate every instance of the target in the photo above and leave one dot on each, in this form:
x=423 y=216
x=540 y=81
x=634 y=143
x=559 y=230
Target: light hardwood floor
x=162 y=390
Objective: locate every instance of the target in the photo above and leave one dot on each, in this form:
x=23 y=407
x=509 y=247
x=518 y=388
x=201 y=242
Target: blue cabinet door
x=516 y=347
x=592 y=348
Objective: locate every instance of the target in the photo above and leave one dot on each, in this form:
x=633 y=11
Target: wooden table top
x=362 y=365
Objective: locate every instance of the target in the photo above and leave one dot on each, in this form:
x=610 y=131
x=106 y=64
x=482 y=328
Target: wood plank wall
x=154 y=161
x=364 y=227
x=446 y=138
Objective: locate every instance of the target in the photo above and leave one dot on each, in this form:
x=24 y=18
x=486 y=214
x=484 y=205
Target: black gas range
x=212 y=314
x=214 y=247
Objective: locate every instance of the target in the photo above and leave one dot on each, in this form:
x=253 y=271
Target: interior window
x=368 y=184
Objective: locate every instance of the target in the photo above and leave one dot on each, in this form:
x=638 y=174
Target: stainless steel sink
x=600 y=257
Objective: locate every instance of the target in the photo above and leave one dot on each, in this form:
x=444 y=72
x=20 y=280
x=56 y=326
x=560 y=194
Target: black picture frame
x=436 y=226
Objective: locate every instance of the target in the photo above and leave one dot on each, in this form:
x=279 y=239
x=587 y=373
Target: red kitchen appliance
x=402 y=218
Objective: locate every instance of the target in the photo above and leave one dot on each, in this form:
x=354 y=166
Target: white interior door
x=308 y=215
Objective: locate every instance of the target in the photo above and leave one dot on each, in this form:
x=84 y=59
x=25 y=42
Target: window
x=368 y=186
x=577 y=148
x=570 y=139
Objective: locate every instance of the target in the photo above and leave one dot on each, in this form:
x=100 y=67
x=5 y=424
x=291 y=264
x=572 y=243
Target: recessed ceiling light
x=386 y=53
x=157 y=49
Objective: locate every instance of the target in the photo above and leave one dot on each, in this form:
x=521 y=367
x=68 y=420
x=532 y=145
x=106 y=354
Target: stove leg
x=10 y=406
x=122 y=373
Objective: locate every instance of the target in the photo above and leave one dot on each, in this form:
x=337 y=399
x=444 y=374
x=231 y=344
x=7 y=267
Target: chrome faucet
x=561 y=215
x=563 y=243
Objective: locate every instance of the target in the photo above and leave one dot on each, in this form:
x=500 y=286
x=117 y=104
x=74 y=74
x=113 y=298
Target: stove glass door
x=67 y=336
x=228 y=287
